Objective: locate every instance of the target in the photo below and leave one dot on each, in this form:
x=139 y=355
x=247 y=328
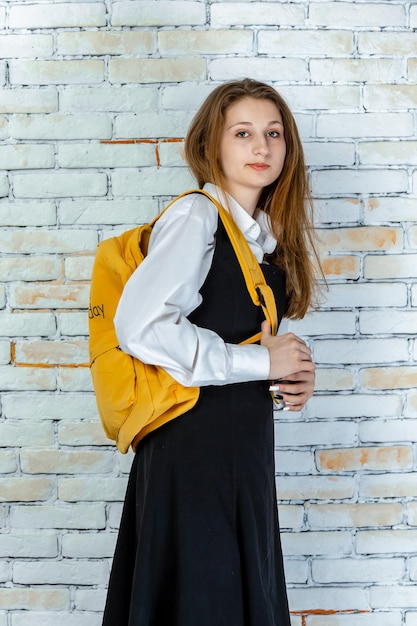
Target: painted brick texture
x=95 y=99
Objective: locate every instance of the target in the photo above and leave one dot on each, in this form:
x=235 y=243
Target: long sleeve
x=151 y=319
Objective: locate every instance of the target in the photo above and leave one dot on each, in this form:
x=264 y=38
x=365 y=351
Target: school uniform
x=199 y=538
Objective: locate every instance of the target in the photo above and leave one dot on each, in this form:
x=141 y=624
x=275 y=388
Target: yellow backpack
x=134 y=398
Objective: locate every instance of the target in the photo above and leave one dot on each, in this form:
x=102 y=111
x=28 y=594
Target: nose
x=260 y=145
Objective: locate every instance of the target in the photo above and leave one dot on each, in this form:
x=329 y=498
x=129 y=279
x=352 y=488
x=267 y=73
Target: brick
x=2 y=297
x=399 y=377
x=365 y=458
x=74 y=379
x=51 y=352
x=27 y=546
x=26 y=46
x=394 y=430
x=19 y=598
x=49 y=406
x=56 y=72
x=361 y=238
x=42 y=296
x=67 y=14
x=2 y=17
x=61 y=572
x=364 y=124
x=287 y=461
x=152 y=125
x=151 y=181
x=59 y=185
x=334 y=379
x=386 y=597
x=412 y=513
x=254 y=13
x=4 y=133
x=361 y=350
x=325 y=323
x=25 y=489
x=8 y=464
x=413 y=16
x=158 y=13
x=73 y=323
x=177 y=42
x=185 y=96
x=314 y=433
x=392 y=97
x=356 y=70
x=315 y=487
x=413 y=569
x=364 y=14
x=362 y=515
x=51 y=619
x=171 y=153
x=61 y=127
x=156 y=70
x=411 y=404
x=412 y=70
x=396 y=322
x=106 y=42
x=387 y=152
x=47 y=241
x=28 y=269
x=378 y=618
x=291 y=516
x=392 y=266
x=108 y=98
x=328 y=599
x=26 y=100
x=90 y=599
x=65 y=462
x=106 y=155
x=4 y=185
x=108 y=212
x=389 y=43
x=92 y=489
x=366 y=295
x=335 y=267
x=114 y=515
x=27 y=214
x=3 y=77
x=390 y=210
x=305 y=42
x=261 y=68
x=356 y=405
x=67 y=516
x=80 y=545
x=329 y=182
x=324 y=542
x=78 y=268
x=413 y=235
x=5 y=352
x=25 y=434
x=296 y=571
x=411 y=618
x=82 y=434
x=318 y=153
x=26 y=378
x=390 y=485
x=356 y=570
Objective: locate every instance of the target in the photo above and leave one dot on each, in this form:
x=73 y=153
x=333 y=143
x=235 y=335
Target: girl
x=199 y=539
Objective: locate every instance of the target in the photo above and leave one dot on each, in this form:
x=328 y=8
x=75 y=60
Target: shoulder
x=194 y=207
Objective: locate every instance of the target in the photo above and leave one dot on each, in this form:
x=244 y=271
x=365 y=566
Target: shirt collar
x=254 y=228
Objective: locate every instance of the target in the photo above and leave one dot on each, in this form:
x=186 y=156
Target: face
x=252 y=149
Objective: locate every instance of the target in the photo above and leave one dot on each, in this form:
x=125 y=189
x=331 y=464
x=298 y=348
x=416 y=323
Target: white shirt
x=151 y=319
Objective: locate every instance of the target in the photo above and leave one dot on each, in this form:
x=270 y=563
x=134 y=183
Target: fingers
x=296 y=392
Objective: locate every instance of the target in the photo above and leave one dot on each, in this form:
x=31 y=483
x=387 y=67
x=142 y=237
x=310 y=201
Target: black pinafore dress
x=199 y=538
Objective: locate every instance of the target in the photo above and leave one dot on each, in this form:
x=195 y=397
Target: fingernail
x=286 y=408
x=274 y=388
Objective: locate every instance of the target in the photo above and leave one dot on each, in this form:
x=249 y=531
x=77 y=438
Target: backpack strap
x=260 y=292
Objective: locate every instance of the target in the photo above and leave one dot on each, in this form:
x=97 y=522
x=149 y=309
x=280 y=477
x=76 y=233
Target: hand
x=295 y=391
x=288 y=354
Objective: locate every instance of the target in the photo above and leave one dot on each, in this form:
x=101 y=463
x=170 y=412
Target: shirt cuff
x=250 y=362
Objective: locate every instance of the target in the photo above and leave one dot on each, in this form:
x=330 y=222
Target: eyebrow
x=250 y=124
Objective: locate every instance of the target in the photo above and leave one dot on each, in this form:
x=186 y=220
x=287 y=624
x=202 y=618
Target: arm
x=151 y=320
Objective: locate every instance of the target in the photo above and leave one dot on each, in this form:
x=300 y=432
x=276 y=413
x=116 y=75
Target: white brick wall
x=95 y=98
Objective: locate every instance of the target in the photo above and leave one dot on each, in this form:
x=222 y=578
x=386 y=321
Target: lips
x=259 y=167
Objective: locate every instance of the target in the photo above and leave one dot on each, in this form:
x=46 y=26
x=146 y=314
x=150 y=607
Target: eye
x=274 y=134
x=242 y=133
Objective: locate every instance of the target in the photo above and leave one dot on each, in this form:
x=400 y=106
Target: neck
x=247 y=199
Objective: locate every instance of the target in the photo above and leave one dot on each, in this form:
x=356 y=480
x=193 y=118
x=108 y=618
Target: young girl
x=199 y=539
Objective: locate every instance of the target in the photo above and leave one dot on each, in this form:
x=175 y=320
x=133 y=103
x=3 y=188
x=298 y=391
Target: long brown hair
x=287 y=200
